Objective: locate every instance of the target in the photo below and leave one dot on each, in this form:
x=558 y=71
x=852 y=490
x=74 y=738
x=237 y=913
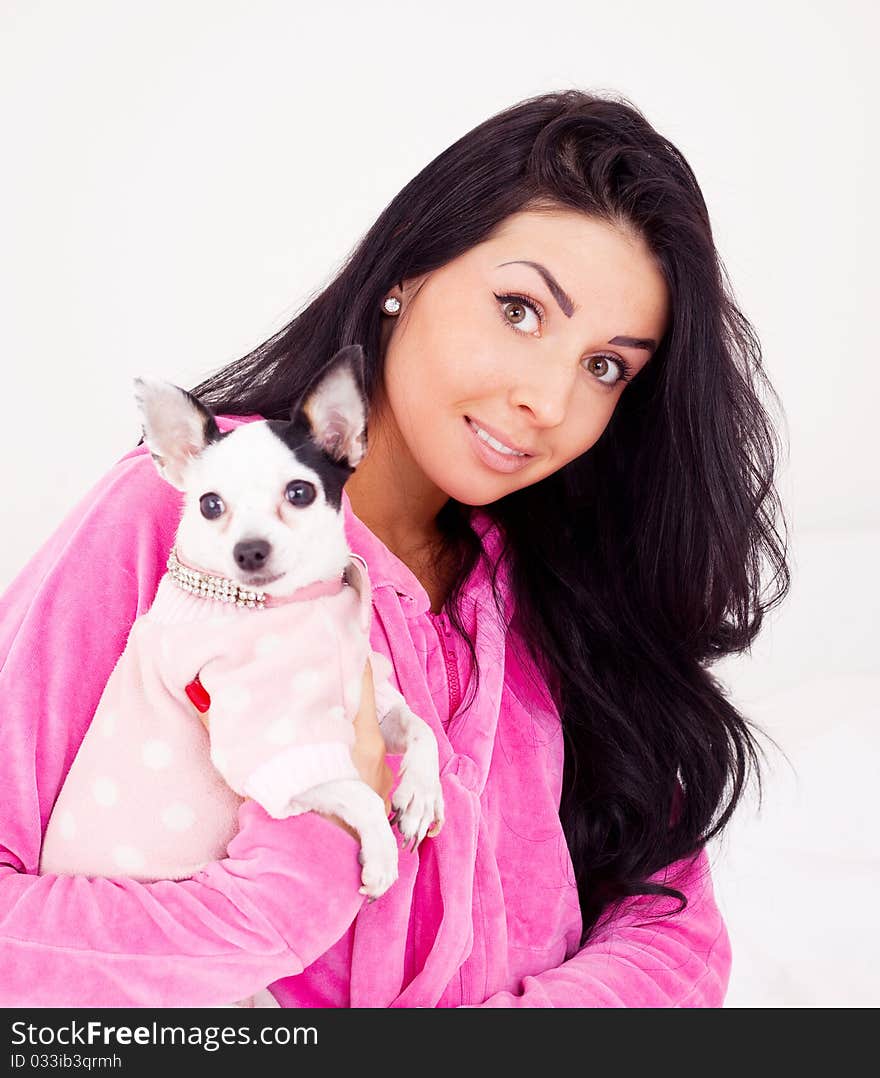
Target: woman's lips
x=499 y=436
x=498 y=462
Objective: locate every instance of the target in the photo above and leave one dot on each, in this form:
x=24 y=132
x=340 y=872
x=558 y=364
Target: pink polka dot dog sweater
x=148 y=796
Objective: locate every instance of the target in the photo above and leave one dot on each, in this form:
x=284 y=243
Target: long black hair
x=640 y=563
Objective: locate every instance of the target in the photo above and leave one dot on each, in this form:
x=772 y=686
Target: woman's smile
x=485 y=447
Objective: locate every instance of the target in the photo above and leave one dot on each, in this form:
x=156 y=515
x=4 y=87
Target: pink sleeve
x=287 y=890
x=681 y=960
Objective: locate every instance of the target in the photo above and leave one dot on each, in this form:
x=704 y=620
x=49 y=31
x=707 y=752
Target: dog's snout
x=251 y=554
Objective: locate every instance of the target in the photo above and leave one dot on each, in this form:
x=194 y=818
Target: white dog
x=263 y=618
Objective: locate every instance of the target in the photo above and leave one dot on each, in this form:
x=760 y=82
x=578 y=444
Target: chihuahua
x=261 y=626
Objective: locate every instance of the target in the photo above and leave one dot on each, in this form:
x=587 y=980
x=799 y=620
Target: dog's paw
x=418 y=806
x=378 y=856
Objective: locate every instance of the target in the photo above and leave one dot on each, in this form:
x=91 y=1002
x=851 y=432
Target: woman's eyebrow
x=635 y=342
x=566 y=303
x=568 y=306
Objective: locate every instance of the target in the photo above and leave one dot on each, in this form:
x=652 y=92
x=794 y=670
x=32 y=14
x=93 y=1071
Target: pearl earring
x=391 y=305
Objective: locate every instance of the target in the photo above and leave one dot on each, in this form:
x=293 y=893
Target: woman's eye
x=525 y=315
x=520 y=313
x=300 y=492
x=211 y=506
x=611 y=370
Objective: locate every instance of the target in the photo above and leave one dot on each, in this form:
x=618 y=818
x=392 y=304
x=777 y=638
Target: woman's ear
x=410 y=287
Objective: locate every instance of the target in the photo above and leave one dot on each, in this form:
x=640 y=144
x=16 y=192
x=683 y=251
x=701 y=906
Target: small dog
x=263 y=618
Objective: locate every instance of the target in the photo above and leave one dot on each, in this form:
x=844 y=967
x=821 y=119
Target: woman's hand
x=368 y=752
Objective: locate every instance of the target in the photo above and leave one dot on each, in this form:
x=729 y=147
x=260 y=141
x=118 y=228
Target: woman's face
x=537 y=359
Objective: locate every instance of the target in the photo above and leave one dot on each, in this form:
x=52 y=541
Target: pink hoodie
x=485 y=914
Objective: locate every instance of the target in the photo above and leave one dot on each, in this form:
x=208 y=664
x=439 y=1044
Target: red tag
x=197 y=692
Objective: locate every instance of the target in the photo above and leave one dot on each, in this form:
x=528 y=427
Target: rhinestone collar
x=224 y=590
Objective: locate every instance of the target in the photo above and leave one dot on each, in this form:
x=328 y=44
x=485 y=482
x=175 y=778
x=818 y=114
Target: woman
x=565 y=505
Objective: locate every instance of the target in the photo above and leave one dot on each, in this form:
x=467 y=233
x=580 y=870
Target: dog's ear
x=336 y=407
x=177 y=427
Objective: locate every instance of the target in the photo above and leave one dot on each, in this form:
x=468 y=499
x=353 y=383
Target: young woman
x=565 y=506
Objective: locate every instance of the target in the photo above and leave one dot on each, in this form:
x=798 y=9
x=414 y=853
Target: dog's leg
x=418 y=799
x=364 y=810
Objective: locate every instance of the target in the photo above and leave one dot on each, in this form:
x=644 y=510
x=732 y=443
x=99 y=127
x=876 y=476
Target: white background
x=179 y=178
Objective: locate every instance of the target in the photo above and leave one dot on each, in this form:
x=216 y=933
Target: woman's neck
x=391 y=495
x=394 y=498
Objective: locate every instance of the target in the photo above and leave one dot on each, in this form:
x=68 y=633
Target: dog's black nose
x=251 y=554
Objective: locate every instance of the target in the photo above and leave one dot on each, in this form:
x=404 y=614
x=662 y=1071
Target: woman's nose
x=545 y=393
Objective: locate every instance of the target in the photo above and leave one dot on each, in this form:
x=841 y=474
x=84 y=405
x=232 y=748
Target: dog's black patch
x=211 y=431
x=297 y=436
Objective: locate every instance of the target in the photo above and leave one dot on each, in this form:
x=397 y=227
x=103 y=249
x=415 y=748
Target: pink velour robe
x=485 y=914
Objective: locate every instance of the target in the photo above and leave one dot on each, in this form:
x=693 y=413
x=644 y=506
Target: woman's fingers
x=368 y=751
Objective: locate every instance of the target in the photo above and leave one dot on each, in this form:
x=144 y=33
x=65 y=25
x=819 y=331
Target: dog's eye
x=300 y=492
x=211 y=506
